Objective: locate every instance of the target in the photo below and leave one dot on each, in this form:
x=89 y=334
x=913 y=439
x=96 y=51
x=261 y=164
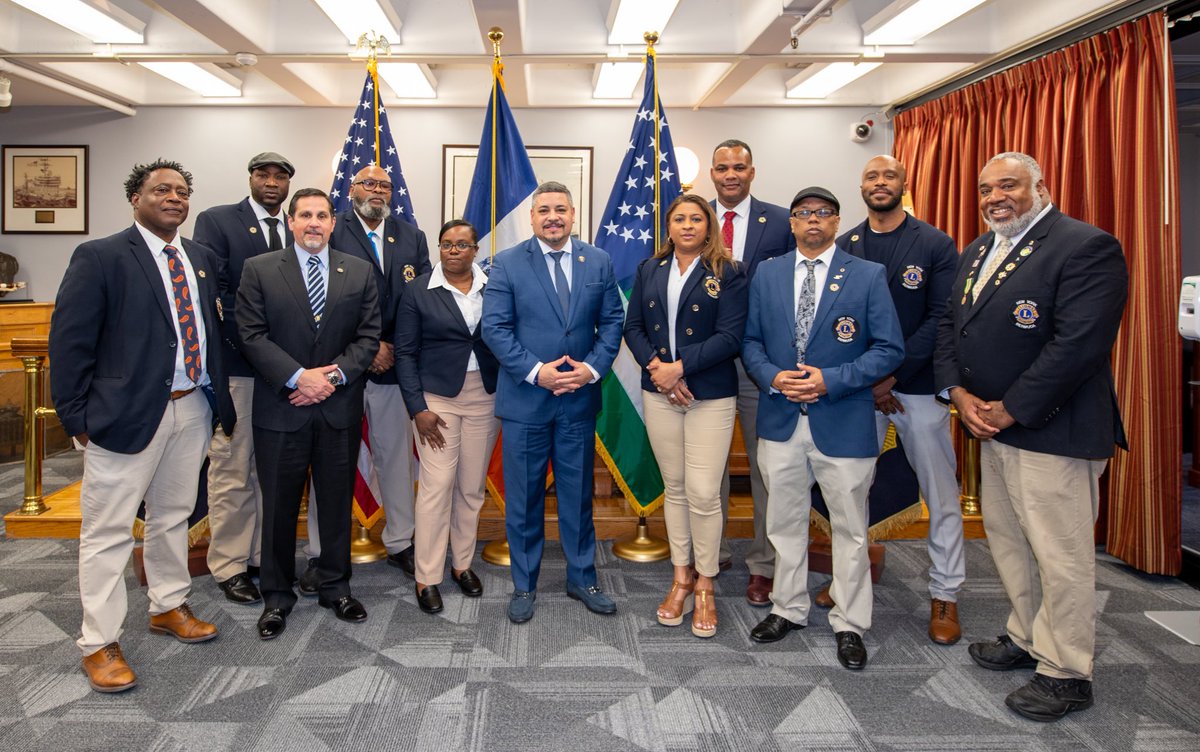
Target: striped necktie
x=185 y=312
x=316 y=288
x=993 y=264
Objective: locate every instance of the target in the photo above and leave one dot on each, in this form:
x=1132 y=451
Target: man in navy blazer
x=754 y=231
x=398 y=254
x=138 y=381
x=821 y=332
x=920 y=261
x=552 y=316
x=236 y=232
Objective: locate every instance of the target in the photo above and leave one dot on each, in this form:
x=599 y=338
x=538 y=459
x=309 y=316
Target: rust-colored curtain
x=1099 y=117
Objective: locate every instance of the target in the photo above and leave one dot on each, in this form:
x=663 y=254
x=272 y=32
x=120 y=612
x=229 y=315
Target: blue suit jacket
x=855 y=341
x=234 y=234
x=919 y=276
x=523 y=323
x=768 y=233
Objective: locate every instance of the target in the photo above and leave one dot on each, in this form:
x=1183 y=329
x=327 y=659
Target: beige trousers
x=451 y=491
x=234 y=497
x=789 y=470
x=760 y=557
x=1039 y=512
x=165 y=474
x=691 y=445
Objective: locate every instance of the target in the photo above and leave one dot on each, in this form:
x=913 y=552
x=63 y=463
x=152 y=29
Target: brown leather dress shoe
x=758 y=590
x=943 y=622
x=181 y=624
x=823 y=598
x=107 y=670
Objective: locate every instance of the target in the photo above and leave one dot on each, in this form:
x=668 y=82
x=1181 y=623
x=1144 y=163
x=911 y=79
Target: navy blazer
x=768 y=233
x=709 y=324
x=234 y=233
x=919 y=276
x=433 y=346
x=1040 y=336
x=113 y=341
x=405 y=257
x=855 y=340
x=523 y=323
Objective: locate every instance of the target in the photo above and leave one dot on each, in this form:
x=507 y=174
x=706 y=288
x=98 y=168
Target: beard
x=367 y=210
x=882 y=204
x=1018 y=224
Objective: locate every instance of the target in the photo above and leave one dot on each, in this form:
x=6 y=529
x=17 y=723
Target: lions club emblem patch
x=409 y=273
x=1025 y=314
x=712 y=286
x=845 y=329
x=912 y=277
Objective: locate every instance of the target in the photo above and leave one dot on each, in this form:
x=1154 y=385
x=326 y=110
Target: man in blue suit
x=822 y=330
x=753 y=231
x=552 y=315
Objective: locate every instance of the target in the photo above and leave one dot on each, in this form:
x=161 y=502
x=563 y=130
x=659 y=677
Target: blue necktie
x=375 y=247
x=316 y=288
x=560 y=281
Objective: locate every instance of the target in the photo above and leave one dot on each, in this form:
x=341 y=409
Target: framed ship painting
x=45 y=189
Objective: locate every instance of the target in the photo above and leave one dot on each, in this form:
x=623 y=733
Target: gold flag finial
x=651 y=38
x=496 y=34
x=373 y=43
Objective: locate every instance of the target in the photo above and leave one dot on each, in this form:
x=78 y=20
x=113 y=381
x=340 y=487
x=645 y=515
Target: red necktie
x=185 y=312
x=727 y=230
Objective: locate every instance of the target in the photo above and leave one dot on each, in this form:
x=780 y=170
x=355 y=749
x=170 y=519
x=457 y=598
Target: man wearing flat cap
x=822 y=330
x=236 y=232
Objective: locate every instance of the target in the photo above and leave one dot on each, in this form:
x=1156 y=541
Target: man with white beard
x=1023 y=353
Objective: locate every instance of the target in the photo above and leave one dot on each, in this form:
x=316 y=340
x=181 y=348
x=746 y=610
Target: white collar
x=437 y=278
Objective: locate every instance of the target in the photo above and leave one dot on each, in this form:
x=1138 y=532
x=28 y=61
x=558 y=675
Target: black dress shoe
x=468 y=582
x=851 y=652
x=272 y=623
x=1000 y=655
x=308 y=584
x=240 y=589
x=1045 y=698
x=405 y=561
x=346 y=608
x=429 y=599
x=773 y=629
x=253 y=571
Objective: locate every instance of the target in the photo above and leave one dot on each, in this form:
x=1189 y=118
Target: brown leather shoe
x=181 y=624
x=823 y=598
x=107 y=670
x=758 y=590
x=943 y=622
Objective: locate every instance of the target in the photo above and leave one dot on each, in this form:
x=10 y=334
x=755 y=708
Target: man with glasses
x=821 y=332
x=399 y=253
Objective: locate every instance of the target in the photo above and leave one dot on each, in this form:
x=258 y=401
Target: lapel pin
x=253 y=230
x=837 y=276
x=339 y=270
x=200 y=273
x=581 y=259
x=662 y=263
x=1027 y=250
x=834 y=287
x=391 y=239
x=762 y=220
x=853 y=238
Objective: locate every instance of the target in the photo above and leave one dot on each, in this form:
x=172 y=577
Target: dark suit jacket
x=709 y=325
x=113 y=341
x=279 y=335
x=1039 y=338
x=855 y=340
x=523 y=323
x=919 y=276
x=405 y=257
x=433 y=346
x=234 y=234
x=768 y=233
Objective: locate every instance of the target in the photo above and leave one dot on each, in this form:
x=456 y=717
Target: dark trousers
x=283 y=459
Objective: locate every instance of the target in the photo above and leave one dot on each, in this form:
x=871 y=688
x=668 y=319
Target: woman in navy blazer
x=448 y=380
x=684 y=327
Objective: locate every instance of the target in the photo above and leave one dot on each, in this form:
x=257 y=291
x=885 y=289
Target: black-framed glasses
x=461 y=245
x=823 y=213
x=373 y=185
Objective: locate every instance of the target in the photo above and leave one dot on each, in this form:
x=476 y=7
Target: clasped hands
x=983 y=418
x=312 y=387
x=384 y=360
x=558 y=382
x=668 y=380
x=807 y=384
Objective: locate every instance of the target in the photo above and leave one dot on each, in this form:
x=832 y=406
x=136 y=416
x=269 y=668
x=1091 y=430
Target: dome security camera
x=861 y=131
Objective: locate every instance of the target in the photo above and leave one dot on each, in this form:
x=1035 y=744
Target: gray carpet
x=469 y=680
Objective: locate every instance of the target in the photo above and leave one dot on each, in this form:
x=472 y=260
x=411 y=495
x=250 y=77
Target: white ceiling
x=712 y=53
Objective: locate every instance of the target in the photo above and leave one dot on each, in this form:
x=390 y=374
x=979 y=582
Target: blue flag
x=358 y=151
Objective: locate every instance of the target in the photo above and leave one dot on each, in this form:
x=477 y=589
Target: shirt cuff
x=531 y=377
x=595 y=374
x=291 y=383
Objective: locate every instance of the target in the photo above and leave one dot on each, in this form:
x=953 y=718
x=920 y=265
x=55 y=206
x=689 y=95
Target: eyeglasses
x=461 y=245
x=823 y=213
x=373 y=185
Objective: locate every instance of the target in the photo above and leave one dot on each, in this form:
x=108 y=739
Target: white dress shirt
x=378 y=242
x=180 y=380
x=675 y=283
x=470 y=303
x=741 y=221
x=820 y=274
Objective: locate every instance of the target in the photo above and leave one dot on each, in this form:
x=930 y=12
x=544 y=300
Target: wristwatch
x=335 y=378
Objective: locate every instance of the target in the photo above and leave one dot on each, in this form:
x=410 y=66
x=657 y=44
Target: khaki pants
x=760 y=556
x=234 y=497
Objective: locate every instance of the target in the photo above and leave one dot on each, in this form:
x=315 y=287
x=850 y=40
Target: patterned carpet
x=467 y=679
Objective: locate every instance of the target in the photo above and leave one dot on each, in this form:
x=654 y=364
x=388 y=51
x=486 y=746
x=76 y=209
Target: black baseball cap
x=271 y=158
x=816 y=191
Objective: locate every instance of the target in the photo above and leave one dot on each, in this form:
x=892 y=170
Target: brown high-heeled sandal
x=677 y=603
x=704 y=618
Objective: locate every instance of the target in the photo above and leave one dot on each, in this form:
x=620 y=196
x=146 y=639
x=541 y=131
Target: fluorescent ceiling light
x=357 y=17
x=409 y=80
x=630 y=19
x=819 y=81
x=99 y=21
x=906 y=21
x=205 y=79
x=616 y=80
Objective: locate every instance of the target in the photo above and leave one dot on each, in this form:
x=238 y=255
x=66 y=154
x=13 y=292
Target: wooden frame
x=45 y=190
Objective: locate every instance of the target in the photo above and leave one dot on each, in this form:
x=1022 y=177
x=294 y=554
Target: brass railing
x=33 y=351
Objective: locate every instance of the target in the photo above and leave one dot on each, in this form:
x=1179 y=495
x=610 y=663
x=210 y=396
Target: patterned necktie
x=993 y=264
x=371 y=236
x=560 y=281
x=274 y=242
x=185 y=313
x=805 y=309
x=727 y=231
x=316 y=288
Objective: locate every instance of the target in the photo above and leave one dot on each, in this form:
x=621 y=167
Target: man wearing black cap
x=822 y=330
x=237 y=232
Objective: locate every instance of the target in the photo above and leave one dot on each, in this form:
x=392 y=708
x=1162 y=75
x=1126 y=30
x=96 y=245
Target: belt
x=181 y=393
